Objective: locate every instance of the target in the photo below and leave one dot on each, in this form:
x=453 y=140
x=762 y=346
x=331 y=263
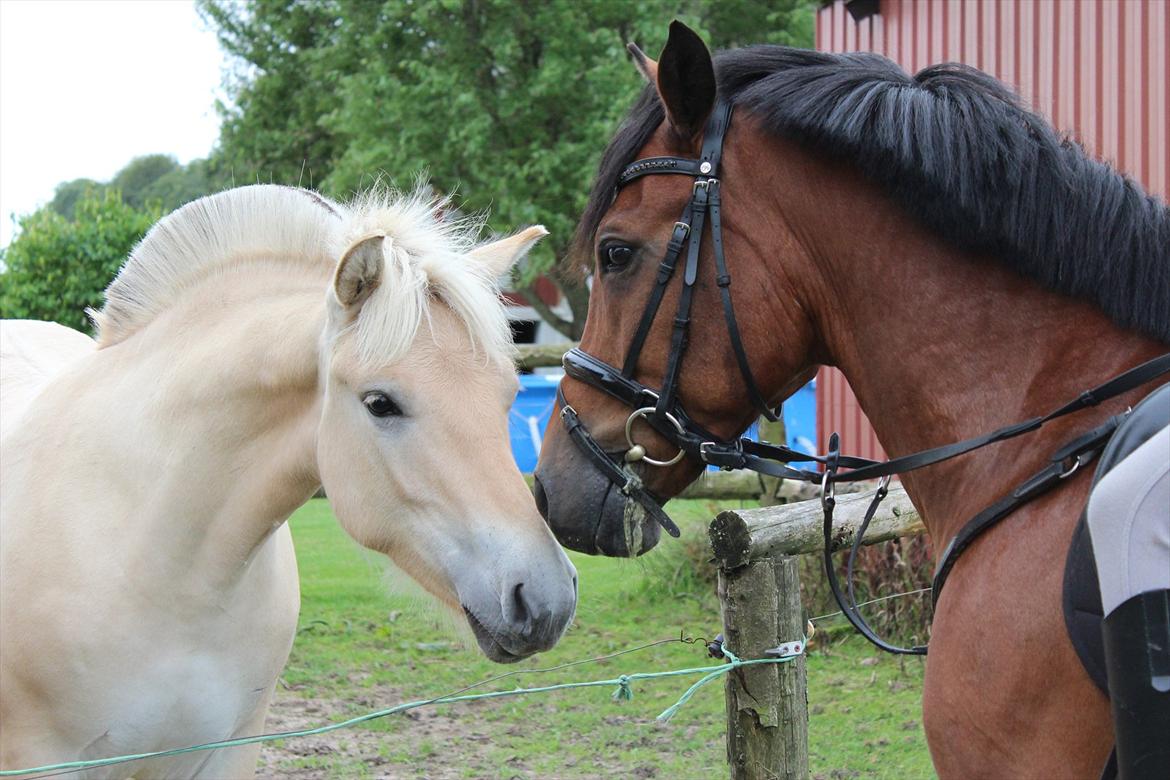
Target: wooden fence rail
x=759 y=595
x=739 y=536
x=530 y=356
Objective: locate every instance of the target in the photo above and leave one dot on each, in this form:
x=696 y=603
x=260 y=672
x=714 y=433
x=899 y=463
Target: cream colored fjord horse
x=258 y=343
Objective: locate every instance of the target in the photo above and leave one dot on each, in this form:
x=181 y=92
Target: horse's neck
x=939 y=346
x=210 y=414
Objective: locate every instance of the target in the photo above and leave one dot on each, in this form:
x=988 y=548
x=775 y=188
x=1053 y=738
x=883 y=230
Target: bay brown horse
x=963 y=265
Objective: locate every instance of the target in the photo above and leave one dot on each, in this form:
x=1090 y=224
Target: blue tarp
x=534 y=404
x=529 y=417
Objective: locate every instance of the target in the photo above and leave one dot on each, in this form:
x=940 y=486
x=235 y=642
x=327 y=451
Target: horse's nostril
x=541 y=498
x=520 y=616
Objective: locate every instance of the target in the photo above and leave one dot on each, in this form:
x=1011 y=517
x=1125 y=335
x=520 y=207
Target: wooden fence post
x=759 y=591
x=767 y=705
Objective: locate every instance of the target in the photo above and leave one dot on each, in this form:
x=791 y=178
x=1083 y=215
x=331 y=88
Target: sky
x=86 y=85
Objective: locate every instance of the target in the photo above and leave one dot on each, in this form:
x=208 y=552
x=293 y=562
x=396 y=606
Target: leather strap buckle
x=653 y=396
x=703 y=184
x=726 y=458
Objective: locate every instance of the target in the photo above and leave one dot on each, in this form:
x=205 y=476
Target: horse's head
x=634 y=215
x=413 y=446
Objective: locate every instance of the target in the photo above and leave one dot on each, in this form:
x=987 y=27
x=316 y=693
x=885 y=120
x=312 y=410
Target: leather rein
x=662 y=410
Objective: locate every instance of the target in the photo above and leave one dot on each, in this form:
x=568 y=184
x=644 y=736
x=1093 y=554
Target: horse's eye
x=615 y=257
x=381 y=405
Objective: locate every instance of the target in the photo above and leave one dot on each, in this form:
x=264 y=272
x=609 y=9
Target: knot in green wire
x=624 y=692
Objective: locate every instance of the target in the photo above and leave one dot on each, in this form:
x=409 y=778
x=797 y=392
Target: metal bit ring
x=645 y=410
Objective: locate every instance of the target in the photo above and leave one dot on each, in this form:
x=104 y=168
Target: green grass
x=361 y=647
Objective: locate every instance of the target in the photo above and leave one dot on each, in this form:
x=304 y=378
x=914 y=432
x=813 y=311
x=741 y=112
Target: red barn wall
x=1098 y=69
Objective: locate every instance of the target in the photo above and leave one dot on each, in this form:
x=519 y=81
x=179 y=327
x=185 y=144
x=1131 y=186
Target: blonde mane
x=427 y=260
x=208 y=235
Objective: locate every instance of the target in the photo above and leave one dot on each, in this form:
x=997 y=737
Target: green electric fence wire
x=281 y=735
x=871 y=601
x=623 y=692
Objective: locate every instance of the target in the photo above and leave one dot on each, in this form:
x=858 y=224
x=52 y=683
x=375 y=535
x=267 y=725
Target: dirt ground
x=291 y=712
x=327 y=754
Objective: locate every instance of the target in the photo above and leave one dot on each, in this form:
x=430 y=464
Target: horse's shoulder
x=32 y=354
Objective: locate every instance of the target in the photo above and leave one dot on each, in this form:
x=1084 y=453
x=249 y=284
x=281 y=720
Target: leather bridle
x=662 y=410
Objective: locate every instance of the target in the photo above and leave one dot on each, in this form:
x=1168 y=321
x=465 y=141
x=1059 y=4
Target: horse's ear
x=498 y=257
x=646 y=66
x=360 y=271
x=686 y=81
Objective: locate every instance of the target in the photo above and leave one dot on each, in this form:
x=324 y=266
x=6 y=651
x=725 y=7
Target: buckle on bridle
x=686 y=228
x=736 y=450
x=827 y=491
x=653 y=396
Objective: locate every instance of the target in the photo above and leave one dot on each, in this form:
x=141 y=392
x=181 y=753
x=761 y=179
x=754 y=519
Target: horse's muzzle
x=589 y=514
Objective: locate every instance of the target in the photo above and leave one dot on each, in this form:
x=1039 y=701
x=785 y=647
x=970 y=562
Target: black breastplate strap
x=663 y=411
x=1065 y=462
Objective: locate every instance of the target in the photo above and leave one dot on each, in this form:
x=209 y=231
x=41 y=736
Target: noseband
x=663 y=412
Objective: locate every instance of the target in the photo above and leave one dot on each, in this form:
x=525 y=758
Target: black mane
x=956 y=148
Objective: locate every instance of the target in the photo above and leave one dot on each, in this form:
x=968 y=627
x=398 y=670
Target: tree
x=67 y=193
x=508 y=103
x=140 y=174
x=56 y=268
x=735 y=24
x=182 y=185
x=156 y=181
x=288 y=59
x=515 y=100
